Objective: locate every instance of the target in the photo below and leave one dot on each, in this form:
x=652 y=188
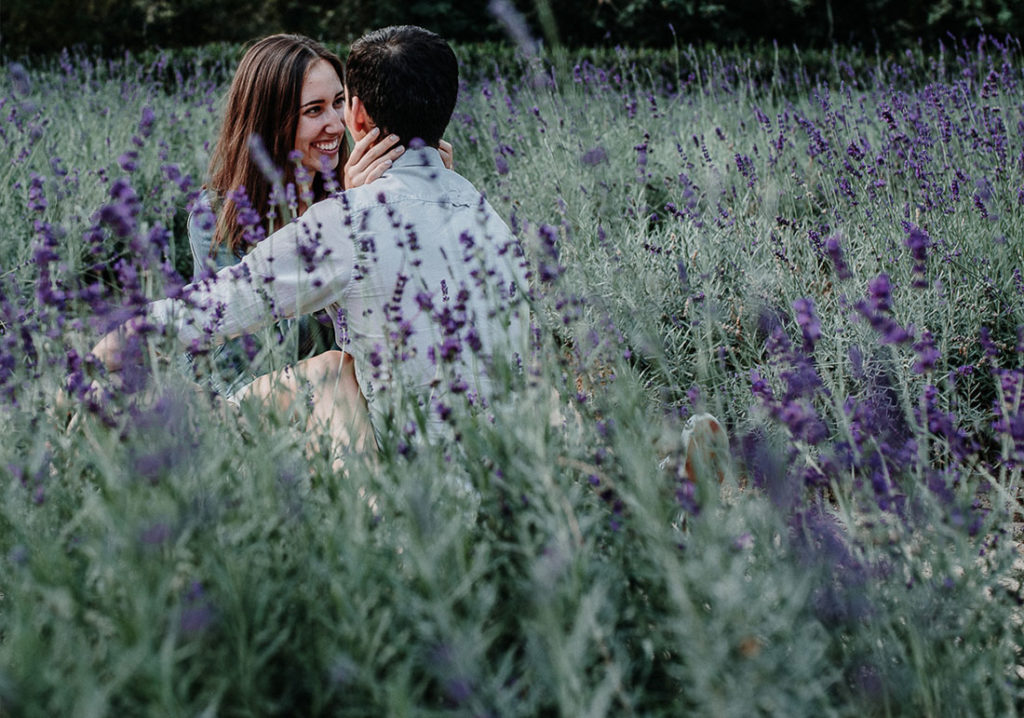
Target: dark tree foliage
x=34 y=27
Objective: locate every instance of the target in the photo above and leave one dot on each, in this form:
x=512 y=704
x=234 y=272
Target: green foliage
x=44 y=28
x=165 y=553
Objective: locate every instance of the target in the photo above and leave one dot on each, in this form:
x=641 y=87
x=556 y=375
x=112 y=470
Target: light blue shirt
x=422 y=279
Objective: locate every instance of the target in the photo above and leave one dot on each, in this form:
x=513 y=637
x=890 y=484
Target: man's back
x=435 y=282
x=422 y=279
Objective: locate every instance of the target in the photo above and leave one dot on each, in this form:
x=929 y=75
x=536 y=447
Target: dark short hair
x=408 y=79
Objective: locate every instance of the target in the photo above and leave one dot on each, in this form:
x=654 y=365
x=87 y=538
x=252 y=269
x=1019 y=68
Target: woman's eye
x=312 y=111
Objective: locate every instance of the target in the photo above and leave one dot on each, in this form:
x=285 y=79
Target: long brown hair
x=263 y=101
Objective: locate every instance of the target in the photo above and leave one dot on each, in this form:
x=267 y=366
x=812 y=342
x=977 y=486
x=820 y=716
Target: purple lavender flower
x=745 y=165
x=120 y=214
x=880 y=293
x=821 y=542
x=809 y=323
x=173 y=174
x=127 y=161
x=767 y=469
x=985 y=340
x=197 y=614
x=743 y=542
x=594 y=156
x=803 y=422
x=686 y=497
x=20 y=79
x=146 y=122
x=641 y=157
x=835 y=252
x=36 y=198
x=450 y=349
x=917 y=242
x=549 y=268
x=944 y=425
x=876 y=310
x=155 y=534
x=262 y=158
x=248 y=217
x=57 y=167
x=927 y=354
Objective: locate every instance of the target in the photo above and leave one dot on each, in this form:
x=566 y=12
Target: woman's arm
x=201 y=225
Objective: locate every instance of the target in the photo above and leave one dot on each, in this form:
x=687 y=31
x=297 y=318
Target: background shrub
x=41 y=28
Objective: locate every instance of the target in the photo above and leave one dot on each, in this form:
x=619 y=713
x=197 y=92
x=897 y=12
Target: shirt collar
x=421 y=157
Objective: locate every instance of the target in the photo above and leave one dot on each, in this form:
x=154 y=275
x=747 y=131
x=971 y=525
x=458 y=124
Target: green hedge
x=31 y=27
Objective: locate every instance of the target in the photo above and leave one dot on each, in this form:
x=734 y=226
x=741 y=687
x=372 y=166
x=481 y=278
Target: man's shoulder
x=402 y=186
x=342 y=203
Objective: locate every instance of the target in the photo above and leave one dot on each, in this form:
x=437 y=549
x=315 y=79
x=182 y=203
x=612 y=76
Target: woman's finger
x=375 y=151
x=447 y=153
x=360 y=147
x=375 y=171
x=369 y=161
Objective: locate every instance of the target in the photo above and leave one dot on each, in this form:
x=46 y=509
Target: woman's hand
x=369 y=161
x=447 y=153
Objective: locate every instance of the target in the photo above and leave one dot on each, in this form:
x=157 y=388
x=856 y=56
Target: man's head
x=402 y=79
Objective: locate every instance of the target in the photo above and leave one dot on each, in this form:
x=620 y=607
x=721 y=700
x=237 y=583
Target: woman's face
x=321 y=129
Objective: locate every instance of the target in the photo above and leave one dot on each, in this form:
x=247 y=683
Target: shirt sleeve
x=303 y=267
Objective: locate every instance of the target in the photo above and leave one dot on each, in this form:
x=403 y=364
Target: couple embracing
x=423 y=282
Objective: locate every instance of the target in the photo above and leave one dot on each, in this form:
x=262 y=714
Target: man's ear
x=359 y=118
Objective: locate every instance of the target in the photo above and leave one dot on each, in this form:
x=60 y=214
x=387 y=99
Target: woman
x=287 y=94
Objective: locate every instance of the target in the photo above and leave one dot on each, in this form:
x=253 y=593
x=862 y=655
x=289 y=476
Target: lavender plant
x=828 y=262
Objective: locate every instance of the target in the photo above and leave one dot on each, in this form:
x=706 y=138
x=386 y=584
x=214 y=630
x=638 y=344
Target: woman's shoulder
x=201 y=220
x=201 y=225
x=206 y=201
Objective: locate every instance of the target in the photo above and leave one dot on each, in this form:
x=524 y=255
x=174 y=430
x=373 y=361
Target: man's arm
x=299 y=269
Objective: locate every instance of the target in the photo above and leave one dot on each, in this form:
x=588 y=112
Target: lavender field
x=823 y=251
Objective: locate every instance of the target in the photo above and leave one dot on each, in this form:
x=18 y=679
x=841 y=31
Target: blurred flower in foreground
x=514 y=24
x=197 y=615
x=20 y=79
x=594 y=156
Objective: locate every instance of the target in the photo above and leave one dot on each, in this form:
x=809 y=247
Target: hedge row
x=32 y=27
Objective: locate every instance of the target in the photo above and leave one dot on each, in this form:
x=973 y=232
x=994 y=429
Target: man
x=424 y=282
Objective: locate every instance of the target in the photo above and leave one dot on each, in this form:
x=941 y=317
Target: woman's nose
x=335 y=120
